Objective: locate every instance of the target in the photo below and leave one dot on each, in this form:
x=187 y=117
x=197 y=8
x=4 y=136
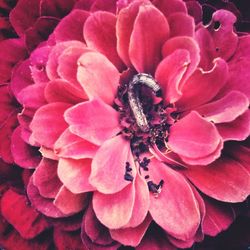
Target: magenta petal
x=45 y=178
x=169 y=74
x=145 y=47
x=25 y=219
x=214 y=180
x=70 y=203
x=23 y=154
x=212 y=81
x=43 y=205
x=219 y=217
x=237 y=130
x=114 y=210
x=70 y=27
x=226 y=109
x=176 y=202
x=74 y=174
x=72 y=146
x=99 y=33
x=98 y=76
x=109 y=165
x=68 y=92
x=193 y=137
x=48 y=123
x=181 y=24
x=93 y=120
x=131 y=236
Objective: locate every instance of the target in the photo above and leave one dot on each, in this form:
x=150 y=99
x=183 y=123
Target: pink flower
x=140 y=117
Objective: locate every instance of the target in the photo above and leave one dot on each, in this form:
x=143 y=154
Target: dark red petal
x=114 y=210
x=45 y=178
x=68 y=92
x=176 y=202
x=72 y=146
x=24 y=218
x=145 y=47
x=74 y=174
x=98 y=76
x=218 y=217
x=24 y=155
x=48 y=123
x=193 y=137
x=212 y=81
x=109 y=166
x=71 y=26
x=225 y=180
x=107 y=5
x=99 y=33
x=43 y=205
x=225 y=109
x=131 y=236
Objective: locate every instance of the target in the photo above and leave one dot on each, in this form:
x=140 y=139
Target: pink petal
x=107 y=5
x=114 y=210
x=67 y=64
x=145 y=47
x=72 y=146
x=225 y=180
x=43 y=205
x=131 y=236
x=211 y=81
x=74 y=174
x=226 y=109
x=181 y=24
x=48 y=153
x=109 y=165
x=124 y=28
x=70 y=28
x=23 y=154
x=193 y=137
x=169 y=74
x=99 y=33
x=194 y=10
x=12 y=51
x=185 y=43
x=45 y=178
x=68 y=92
x=98 y=76
x=168 y=7
x=218 y=217
x=70 y=203
x=48 y=123
x=25 y=219
x=93 y=121
x=176 y=202
x=52 y=64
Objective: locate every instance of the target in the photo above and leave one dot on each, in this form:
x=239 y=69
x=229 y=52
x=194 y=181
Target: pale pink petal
x=45 y=178
x=74 y=174
x=48 y=123
x=176 y=202
x=71 y=26
x=145 y=47
x=100 y=35
x=114 y=210
x=131 y=236
x=98 y=76
x=94 y=121
x=109 y=166
x=193 y=136
x=70 y=203
x=72 y=146
x=219 y=217
x=226 y=109
x=225 y=180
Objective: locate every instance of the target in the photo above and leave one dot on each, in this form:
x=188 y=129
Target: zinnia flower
x=135 y=118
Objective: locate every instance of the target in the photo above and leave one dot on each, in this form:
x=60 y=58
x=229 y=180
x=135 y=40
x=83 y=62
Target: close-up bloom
x=124 y=124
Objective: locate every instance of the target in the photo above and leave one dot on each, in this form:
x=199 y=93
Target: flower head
x=139 y=115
